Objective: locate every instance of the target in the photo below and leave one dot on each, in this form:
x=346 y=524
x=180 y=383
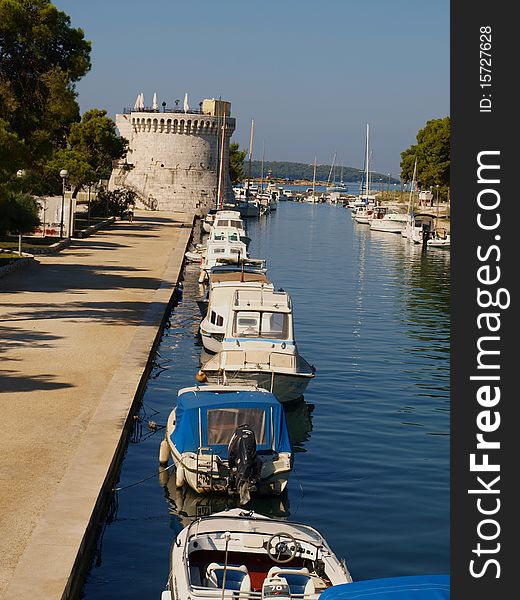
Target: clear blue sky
x=312 y=74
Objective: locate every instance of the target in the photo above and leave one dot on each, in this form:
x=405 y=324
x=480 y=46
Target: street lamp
x=63 y=174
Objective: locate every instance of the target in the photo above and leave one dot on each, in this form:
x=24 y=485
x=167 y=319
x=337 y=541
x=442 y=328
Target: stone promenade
x=76 y=331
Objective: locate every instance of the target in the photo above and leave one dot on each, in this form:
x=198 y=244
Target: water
x=372 y=438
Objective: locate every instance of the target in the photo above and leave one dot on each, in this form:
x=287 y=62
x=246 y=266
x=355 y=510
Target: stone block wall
x=172 y=163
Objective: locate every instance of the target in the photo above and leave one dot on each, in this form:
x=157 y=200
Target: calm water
x=372 y=436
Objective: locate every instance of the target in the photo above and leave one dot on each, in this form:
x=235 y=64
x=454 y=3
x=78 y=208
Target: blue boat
x=414 y=587
x=231 y=439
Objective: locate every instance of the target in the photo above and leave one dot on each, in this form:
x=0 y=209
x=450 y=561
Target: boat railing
x=208 y=593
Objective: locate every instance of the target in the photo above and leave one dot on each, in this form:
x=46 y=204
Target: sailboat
x=364 y=209
x=312 y=197
x=332 y=186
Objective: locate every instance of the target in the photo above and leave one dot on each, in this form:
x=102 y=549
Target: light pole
x=63 y=174
x=20 y=174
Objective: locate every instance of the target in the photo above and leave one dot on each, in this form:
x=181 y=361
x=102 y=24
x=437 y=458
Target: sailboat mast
x=221 y=170
x=262 y=171
x=367 y=183
x=329 y=178
x=250 y=151
x=314 y=178
x=412 y=185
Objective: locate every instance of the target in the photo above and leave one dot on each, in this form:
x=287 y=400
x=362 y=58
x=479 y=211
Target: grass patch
x=6 y=258
x=11 y=243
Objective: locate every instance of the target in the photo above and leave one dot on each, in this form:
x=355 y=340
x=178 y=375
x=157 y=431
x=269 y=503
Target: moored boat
x=411 y=587
x=228 y=439
x=259 y=347
x=240 y=554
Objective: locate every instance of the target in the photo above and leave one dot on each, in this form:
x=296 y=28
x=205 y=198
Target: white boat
x=419 y=228
x=259 y=347
x=440 y=239
x=228 y=439
x=311 y=196
x=244 y=555
x=363 y=214
x=389 y=221
x=231 y=218
x=218 y=251
x=221 y=291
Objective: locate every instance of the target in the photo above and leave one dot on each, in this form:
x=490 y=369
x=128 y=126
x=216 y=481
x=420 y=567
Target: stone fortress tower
x=174 y=156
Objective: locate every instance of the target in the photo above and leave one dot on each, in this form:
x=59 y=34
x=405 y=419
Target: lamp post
x=20 y=174
x=63 y=174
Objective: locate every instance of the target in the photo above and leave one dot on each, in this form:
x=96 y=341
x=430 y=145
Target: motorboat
x=411 y=587
x=218 y=251
x=259 y=347
x=419 y=228
x=441 y=238
x=221 y=290
x=244 y=555
x=363 y=214
x=228 y=439
x=225 y=220
x=390 y=220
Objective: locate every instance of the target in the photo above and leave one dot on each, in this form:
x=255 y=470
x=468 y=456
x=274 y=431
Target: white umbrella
x=137 y=104
x=141 y=102
x=155 y=106
x=186 y=106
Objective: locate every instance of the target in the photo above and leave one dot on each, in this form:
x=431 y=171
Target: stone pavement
x=76 y=330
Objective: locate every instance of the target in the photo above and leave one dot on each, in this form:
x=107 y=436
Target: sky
x=310 y=74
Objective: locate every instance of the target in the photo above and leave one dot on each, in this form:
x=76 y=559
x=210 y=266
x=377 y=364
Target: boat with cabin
x=388 y=220
x=259 y=346
x=228 y=439
x=244 y=555
x=221 y=290
x=219 y=251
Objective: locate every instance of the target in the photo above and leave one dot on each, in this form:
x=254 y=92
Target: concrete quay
x=76 y=333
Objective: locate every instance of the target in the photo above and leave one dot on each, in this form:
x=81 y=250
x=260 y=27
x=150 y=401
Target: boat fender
x=179 y=476
x=201 y=376
x=164 y=453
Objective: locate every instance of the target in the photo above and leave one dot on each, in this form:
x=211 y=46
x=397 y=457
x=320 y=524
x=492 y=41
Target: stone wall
x=172 y=161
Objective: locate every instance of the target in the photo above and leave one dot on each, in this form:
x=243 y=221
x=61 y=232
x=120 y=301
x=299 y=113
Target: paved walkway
x=75 y=333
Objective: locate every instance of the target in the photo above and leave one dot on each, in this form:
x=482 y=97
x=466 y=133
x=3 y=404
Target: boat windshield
x=261 y=324
x=222 y=423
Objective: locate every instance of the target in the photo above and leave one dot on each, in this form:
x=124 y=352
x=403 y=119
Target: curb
x=19 y=263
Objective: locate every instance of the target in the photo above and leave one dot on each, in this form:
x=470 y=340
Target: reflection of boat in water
x=240 y=554
x=298 y=415
x=188 y=505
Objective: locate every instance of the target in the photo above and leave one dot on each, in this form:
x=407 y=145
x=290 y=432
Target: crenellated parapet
x=173 y=123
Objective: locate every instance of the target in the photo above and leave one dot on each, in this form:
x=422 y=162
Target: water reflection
x=187 y=505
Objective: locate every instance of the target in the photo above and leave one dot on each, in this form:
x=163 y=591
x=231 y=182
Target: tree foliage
x=433 y=155
x=41 y=59
x=114 y=203
x=92 y=145
x=236 y=163
x=18 y=212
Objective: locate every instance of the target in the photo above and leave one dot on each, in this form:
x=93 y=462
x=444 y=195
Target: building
x=174 y=156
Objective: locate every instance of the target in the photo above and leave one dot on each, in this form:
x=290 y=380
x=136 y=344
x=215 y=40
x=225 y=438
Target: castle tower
x=173 y=158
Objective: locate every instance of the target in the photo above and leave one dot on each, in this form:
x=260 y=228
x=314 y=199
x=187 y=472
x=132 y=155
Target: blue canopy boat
x=231 y=439
x=414 y=587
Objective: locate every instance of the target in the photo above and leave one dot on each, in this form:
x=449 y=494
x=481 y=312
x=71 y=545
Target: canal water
x=371 y=470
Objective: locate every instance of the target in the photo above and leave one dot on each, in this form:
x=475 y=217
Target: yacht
x=221 y=291
x=259 y=347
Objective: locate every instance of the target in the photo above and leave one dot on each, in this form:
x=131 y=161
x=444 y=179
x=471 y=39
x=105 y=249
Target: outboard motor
x=242 y=461
x=426 y=233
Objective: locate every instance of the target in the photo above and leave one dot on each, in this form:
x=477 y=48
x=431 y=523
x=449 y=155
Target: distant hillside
x=292 y=170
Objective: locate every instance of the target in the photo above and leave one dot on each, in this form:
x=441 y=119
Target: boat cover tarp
x=414 y=587
x=209 y=405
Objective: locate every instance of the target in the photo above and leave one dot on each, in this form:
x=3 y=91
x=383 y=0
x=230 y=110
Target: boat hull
x=285 y=386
